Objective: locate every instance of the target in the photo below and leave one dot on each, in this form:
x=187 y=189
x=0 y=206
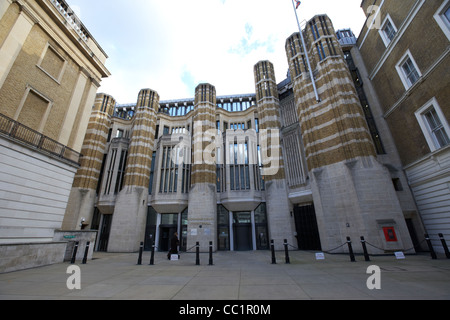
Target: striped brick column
x=142 y=141
x=130 y=212
x=202 y=216
x=82 y=197
x=333 y=129
x=203 y=171
x=269 y=117
x=353 y=193
x=277 y=203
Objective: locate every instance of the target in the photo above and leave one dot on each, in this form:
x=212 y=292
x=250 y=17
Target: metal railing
x=32 y=138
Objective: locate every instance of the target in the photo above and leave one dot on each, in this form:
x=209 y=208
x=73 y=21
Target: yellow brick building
x=242 y=170
x=50 y=70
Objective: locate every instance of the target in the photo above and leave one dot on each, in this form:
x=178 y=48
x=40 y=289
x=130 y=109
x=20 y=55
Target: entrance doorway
x=165 y=235
x=306 y=226
x=242 y=230
x=105 y=229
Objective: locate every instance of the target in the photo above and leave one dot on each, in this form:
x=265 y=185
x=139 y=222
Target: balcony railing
x=32 y=138
x=71 y=18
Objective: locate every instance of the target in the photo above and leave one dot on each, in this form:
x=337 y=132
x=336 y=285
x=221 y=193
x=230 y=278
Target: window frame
x=441 y=20
x=401 y=72
x=424 y=124
x=383 y=33
x=48 y=47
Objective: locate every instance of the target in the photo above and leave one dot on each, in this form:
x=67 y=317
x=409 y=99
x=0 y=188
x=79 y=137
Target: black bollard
x=197 y=253
x=152 y=256
x=444 y=244
x=366 y=254
x=74 y=254
x=86 y=251
x=286 y=252
x=430 y=246
x=141 y=247
x=210 y=253
x=350 y=250
x=272 y=248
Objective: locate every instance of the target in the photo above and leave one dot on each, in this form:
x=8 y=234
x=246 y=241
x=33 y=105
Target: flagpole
x=306 y=54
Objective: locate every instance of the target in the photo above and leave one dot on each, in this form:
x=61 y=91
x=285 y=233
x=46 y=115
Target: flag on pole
x=298 y=4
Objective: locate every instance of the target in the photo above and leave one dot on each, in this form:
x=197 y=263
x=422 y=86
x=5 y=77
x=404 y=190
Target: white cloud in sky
x=172 y=46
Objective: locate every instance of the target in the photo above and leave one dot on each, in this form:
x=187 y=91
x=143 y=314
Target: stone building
x=401 y=61
x=50 y=70
x=286 y=162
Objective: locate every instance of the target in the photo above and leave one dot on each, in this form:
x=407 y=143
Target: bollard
x=86 y=251
x=430 y=246
x=152 y=256
x=210 y=253
x=286 y=252
x=272 y=248
x=350 y=250
x=444 y=244
x=74 y=254
x=197 y=253
x=140 y=254
x=366 y=254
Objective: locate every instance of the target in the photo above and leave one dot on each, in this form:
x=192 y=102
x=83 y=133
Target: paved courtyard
x=234 y=276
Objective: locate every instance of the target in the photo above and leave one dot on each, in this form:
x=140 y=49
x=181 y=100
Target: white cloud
x=172 y=46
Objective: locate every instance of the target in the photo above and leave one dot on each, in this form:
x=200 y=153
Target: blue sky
x=172 y=46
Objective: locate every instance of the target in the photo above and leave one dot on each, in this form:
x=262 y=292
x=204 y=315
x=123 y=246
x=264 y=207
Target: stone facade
x=50 y=70
x=405 y=60
x=239 y=171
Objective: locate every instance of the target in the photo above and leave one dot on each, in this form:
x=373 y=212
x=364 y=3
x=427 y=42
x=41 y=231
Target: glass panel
x=170 y=218
x=260 y=214
x=224 y=238
x=222 y=215
x=410 y=71
x=242 y=217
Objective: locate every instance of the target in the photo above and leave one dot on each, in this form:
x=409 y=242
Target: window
x=434 y=125
x=34 y=110
x=320 y=51
x=152 y=173
x=436 y=128
x=239 y=166
x=408 y=71
x=442 y=17
x=52 y=63
x=388 y=31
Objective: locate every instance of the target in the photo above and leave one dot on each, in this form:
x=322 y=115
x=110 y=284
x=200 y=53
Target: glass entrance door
x=168 y=226
x=165 y=235
x=242 y=230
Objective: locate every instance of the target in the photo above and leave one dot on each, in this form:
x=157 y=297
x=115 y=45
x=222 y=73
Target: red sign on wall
x=389 y=233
